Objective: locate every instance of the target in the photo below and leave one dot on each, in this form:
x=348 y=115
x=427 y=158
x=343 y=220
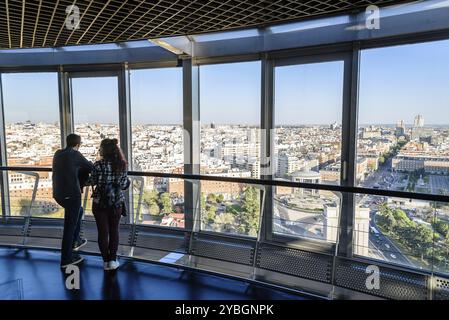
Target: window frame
x=303 y=57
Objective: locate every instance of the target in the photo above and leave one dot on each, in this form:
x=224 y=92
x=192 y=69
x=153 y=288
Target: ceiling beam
x=36 y=22
x=7 y=22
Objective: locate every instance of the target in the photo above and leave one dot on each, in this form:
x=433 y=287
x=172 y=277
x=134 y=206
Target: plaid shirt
x=102 y=174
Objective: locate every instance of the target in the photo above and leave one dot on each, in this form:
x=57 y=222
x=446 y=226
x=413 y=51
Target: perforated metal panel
x=12 y=226
x=441 y=291
x=11 y=230
x=45 y=228
x=224 y=248
x=89 y=231
x=393 y=284
x=44 y=232
x=295 y=262
x=161 y=239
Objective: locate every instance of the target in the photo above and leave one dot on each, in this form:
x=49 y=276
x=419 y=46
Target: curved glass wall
x=399 y=144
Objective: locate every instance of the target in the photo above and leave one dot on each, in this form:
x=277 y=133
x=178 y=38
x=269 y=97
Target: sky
x=396 y=83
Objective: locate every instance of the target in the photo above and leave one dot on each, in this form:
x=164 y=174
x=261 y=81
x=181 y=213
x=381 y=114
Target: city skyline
x=396 y=83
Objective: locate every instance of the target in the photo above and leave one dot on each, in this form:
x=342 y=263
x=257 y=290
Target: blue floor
x=35 y=274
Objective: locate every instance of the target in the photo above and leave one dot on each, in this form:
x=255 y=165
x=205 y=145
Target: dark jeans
x=108 y=221
x=73 y=213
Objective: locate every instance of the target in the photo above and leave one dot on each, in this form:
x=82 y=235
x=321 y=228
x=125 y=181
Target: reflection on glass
x=403 y=139
x=32 y=132
x=230 y=117
x=95 y=112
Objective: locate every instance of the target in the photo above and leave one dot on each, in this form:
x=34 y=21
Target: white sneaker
x=113 y=264
x=106 y=266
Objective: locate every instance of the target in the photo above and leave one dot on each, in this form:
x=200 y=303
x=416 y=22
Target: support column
x=349 y=149
x=3 y=154
x=124 y=105
x=191 y=123
x=65 y=106
x=267 y=169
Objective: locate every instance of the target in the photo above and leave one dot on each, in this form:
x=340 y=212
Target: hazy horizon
x=396 y=83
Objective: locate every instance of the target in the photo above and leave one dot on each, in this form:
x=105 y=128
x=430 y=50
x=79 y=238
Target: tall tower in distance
x=419 y=121
x=400 y=128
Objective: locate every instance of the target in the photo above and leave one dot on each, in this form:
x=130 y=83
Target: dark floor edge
x=188 y=268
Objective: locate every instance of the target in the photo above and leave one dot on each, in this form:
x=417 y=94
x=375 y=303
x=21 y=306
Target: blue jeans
x=73 y=213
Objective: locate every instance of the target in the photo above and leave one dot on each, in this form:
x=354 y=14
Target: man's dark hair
x=73 y=140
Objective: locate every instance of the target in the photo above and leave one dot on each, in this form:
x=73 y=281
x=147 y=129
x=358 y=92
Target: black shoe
x=78 y=244
x=76 y=259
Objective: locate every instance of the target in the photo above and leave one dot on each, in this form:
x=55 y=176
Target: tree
x=441 y=227
x=166 y=203
x=208 y=215
x=220 y=198
x=387 y=219
x=225 y=222
x=154 y=209
x=150 y=200
x=446 y=247
x=422 y=240
x=249 y=216
x=211 y=198
x=208 y=210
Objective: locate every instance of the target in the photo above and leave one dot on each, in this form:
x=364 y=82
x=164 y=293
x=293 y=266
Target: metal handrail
x=273 y=182
x=265 y=183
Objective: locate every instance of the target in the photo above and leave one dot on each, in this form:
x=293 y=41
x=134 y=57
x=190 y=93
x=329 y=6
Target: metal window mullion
x=191 y=124
x=349 y=149
x=124 y=105
x=4 y=190
x=65 y=107
x=267 y=143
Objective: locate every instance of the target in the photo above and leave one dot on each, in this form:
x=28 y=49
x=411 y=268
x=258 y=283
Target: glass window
x=232 y=208
x=308 y=115
x=157 y=144
x=31 y=109
x=96 y=116
x=408 y=232
x=95 y=111
x=230 y=145
x=403 y=145
x=230 y=119
x=403 y=140
x=157 y=120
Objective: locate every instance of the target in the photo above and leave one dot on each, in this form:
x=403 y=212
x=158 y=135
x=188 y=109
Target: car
x=393 y=255
x=387 y=245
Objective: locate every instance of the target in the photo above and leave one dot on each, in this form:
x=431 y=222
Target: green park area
x=422 y=244
x=240 y=216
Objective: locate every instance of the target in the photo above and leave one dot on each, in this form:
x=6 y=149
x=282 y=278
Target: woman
x=109 y=179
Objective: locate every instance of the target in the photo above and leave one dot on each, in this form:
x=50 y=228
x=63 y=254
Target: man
x=69 y=165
